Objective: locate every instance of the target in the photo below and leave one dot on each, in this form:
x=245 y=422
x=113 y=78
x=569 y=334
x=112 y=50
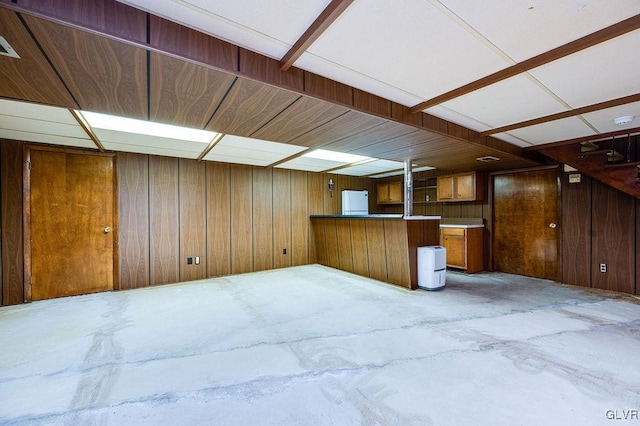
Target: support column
x=408 y=188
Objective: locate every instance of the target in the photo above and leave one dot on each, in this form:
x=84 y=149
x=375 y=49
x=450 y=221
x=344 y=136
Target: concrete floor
x=312 y=345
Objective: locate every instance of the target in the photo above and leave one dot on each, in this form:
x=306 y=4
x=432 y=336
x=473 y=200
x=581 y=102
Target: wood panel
x=576 y=231
x=395 y=239
x=359 y=247
x=327 y=89
x=164 y=241
x=193 y=219
x=262 y=68
x=12 y=283
x=31 y=76
x=345 y=252
x=361 y=142
x=300 y=240
x=377 y=249
x=343 y=126
x=302 y=116
x=183 y=93
x=102 y=74
x=241 y=219
x=331 y=201
x=612 y=243
x=331 y=243
x=108 y=16
x=283 y=219
x=133 y=220
x=315 y=202
x=248 y=106
x=420 y=233
x=218 y=219
x=191 y=44
x=371 y=104
x=262 y=219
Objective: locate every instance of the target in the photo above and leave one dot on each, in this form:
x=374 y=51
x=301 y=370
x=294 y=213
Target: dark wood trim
x=87 y=129
x=565 y=114
x=528 y=169
x=622 y=165
x=570 y=48
x=633 y=131
x=319 y=26
x=26 y=220
x=292 y=157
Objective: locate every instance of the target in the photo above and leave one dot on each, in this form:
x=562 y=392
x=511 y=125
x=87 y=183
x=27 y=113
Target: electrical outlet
x=603 y=267
x=189 y=260
x=284 y=251
x=197 y=260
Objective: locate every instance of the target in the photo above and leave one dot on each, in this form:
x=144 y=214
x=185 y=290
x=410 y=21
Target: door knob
x=552 y=225
x=107 y=229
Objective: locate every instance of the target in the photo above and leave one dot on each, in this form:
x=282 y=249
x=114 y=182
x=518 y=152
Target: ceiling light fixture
x=6 y=49
x=148 y=128
x=340 y=157
x=621 y=121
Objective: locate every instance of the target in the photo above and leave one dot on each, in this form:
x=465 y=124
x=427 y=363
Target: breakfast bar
x=383 y=247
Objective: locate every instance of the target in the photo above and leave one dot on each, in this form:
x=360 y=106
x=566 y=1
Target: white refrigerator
x=355 y=202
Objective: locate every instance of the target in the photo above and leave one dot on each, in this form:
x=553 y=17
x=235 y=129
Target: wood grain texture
x=302 y=116
x=107 y=16
x=359 y=247
x=71 y=204
x=327 y=89
x=331 y=243
x=102 y=74
x=419 y=234
x=164 y=221
x=193 y=219
x=396 y=248
x=183 y=93
x=262 y=219
x=330 y=203
x=341 y=127
x=371 y=104
x=191 y=44
x=384 y=133
x=12 y=283
x=31 y=76
x=612 y=243
x=133 y=220
x=319 y=228
x=218 y=219
x=282 y=218
x=300 y=228
x=249 y=106
x=345 y=252
x=377 y=249
x=316 y=186
x=576 y=231
x=241 y=219
x=267 y=70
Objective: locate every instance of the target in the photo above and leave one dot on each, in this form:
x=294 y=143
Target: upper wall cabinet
x=461 y=187
x=390 y=193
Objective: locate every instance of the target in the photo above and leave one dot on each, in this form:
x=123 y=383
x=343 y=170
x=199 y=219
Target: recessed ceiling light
x=621 y=121
x=6 y=49
x=340 y=157
x=149 y=128
x=487 y=159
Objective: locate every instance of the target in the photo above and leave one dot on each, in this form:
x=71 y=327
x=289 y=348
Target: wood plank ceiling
x=110 y=57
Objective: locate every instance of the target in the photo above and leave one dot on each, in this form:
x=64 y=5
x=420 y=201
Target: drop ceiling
x=402 y=52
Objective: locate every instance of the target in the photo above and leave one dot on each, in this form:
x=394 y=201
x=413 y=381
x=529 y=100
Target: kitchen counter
x=383 y=247
x=448 y=225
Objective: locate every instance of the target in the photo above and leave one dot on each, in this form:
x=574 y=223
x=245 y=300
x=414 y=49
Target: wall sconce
x=330 y=186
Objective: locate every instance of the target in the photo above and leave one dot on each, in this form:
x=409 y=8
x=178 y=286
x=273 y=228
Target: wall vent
x=6 y=49
x=487 y=159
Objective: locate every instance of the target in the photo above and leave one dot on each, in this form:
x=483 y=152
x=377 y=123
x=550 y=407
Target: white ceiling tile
x=553 y=131
x=260 y=145
x=455 y=117
x=408 y=44
x=601 y=73
x=603 y=119
x=509 y=101
x=523 y=29
x=32 y=125
x=242 y=150
x=36 y=111
x=153 y=150
x=378 y=166
x=309 y=164
x=512 y=139
x=132 y=139
x=48 y=139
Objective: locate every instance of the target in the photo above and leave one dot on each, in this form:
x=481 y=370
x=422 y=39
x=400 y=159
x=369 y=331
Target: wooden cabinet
x=461 y=187
x=390 y=193
x=464 y=248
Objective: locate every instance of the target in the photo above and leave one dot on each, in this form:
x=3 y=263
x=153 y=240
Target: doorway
x=525 y=223
x=70 y=220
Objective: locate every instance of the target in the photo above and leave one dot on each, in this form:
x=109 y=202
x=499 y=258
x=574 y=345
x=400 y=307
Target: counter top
x=375 y=216
x=460 y=226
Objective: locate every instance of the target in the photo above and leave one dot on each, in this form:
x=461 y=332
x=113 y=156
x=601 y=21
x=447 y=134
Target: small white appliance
x=355 y=202
x=432 y=267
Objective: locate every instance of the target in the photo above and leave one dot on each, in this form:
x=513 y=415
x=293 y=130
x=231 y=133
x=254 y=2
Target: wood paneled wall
x=599 y=225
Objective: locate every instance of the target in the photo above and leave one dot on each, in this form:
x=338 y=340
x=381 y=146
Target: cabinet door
x=383 y=193
x=455 y=245
x=395 y=192
x=465 y=186
x=445 y=188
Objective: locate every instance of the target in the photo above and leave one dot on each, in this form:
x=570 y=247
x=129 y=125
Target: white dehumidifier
x=432 y=267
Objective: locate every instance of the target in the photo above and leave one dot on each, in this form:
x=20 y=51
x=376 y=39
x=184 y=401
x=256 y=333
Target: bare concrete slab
x=312 y=345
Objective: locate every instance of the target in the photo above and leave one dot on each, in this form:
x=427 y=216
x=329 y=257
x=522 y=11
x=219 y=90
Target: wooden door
x=525 y=218
x=70 y=221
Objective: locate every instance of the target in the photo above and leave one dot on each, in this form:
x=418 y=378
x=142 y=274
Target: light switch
x=197 y=260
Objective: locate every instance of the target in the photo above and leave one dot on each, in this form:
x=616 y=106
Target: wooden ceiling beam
x=570 y=48
x=599 y=136
x=319 y=26
x=565 y=114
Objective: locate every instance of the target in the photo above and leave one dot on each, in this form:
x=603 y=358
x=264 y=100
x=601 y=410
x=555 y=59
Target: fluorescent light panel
x=149 y=128
x=340 y=157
